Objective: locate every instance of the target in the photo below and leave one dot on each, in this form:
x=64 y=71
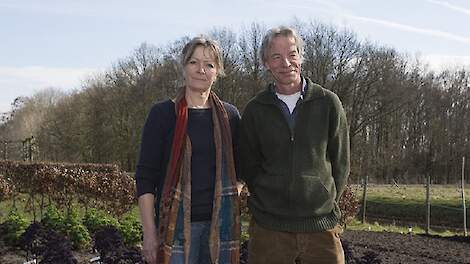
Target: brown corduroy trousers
x=274 y=247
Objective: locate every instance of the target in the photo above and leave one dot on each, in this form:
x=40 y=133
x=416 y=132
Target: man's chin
x=288 y=80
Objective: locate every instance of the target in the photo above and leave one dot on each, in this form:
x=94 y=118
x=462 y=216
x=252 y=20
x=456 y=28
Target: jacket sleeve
x=149 y=166
x=339 y=146
x=250 y=153
x=235 y=127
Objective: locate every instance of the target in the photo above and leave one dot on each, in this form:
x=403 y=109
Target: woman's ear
x=266 y=66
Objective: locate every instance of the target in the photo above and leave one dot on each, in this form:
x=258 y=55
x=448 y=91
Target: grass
x=446 y=194
x=406 y=204
x=23 y=204
x=355 y=224
x=403 y=206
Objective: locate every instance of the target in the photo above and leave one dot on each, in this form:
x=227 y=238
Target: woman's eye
x=192 y=62
x=210 y=65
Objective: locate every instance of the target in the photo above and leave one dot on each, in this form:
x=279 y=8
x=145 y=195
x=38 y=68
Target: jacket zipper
x=292 y=151
x=291 y=176
x=292 y=145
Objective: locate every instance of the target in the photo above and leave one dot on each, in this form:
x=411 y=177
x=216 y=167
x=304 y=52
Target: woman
x=187 y=166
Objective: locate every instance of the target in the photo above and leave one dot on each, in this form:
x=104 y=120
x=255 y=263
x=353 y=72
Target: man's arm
x=250 y=154
x=339 y=146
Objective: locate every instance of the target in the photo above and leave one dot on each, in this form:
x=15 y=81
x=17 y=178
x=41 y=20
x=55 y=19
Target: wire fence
x=409 y=204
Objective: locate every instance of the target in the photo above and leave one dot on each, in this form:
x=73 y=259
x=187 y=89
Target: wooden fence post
x=364 y=199
x=463 y=198
x=5 y=149
x=428 y=203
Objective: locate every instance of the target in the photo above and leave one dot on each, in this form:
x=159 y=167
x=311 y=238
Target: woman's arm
x=147 y=218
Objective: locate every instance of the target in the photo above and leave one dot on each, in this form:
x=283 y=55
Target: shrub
x=6 y=188
x=76 y=231
x=130 y=229
x=95 y=220
x=53 y=218
x=13 y=227
x=69 y=225
x=349 y=205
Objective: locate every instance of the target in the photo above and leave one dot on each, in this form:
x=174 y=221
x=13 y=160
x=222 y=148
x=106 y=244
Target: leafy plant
x=13 y=227
x=130 y=229
x=69 y=225
x=95 y=219
x=75 y=230
x=53 y=219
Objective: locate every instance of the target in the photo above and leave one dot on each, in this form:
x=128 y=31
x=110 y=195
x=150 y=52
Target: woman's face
x=200 y=71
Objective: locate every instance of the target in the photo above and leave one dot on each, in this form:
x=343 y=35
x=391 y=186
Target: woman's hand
x=150 y=247
x=147 y=218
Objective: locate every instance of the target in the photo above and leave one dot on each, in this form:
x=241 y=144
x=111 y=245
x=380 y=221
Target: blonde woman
x=186 y=178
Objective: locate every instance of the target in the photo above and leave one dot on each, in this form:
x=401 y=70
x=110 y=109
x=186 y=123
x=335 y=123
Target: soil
x=408 y=248
x=392 y=248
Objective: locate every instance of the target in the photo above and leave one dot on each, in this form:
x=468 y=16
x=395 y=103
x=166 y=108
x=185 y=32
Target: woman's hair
x=276 y=32
x=207 y=43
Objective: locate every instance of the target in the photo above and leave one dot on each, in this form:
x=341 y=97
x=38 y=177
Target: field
x=394 y=248
x=394 y=230
x=405 y=205
x=390 y=247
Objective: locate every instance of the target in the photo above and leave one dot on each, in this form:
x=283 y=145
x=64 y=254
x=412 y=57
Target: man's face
x=284 y=61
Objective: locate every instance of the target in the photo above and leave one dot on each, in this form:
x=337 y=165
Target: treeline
x=406 y=122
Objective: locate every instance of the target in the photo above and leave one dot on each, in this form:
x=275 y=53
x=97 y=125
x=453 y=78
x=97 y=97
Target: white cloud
x=451 y=6
x=25 y=81
x=423 y=31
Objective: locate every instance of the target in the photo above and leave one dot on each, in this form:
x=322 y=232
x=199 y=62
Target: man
x=295 y=161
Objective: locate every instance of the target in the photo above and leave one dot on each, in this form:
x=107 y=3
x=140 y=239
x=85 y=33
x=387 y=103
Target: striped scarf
x=175 y=206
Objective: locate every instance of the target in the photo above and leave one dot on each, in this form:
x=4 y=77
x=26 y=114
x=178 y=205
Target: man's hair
x=276 y=32
x=207 y=43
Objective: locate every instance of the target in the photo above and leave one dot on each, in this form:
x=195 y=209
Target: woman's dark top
x=155 y=150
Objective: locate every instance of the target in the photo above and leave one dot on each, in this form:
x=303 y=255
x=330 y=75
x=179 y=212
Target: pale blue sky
x=52 y=43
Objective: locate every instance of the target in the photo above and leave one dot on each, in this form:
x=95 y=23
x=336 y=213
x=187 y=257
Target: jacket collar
x=311 y=92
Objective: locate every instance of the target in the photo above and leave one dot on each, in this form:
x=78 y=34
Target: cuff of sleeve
x=146 y=179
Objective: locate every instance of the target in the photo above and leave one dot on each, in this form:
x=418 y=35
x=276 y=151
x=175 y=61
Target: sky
x=60 y=44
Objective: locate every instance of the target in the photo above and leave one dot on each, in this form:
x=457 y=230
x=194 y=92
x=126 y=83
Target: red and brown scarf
x=175 y=206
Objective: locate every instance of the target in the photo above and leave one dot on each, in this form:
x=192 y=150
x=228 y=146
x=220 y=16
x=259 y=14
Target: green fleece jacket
x=295 y=174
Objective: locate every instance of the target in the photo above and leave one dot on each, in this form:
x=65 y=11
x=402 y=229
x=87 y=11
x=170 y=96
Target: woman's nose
x=286 y=62
x=200 y=68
